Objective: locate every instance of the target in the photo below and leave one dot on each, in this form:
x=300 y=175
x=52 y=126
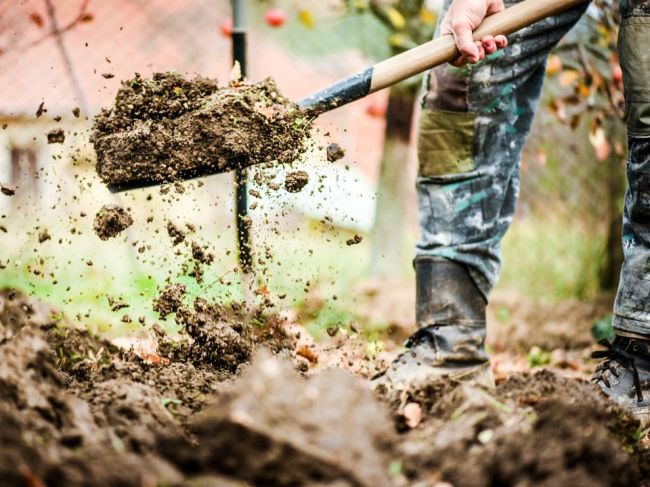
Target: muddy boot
x=624 y=374
x=450 y=312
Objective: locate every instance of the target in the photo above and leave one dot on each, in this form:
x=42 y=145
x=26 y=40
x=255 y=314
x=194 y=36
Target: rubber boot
x=450 y=314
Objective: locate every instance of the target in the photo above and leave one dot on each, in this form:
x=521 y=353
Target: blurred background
x=561 y=256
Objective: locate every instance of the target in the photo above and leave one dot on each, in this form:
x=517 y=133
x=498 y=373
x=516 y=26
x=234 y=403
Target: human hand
x=462 y=18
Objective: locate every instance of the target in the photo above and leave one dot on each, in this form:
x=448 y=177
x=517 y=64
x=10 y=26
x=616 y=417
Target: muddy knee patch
x=445 y=142
x=169 y=128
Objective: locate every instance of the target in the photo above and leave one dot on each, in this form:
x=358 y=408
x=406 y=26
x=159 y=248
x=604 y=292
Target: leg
x=632 y=307
x=473 y=126
x=474 y=123
x=624 y=375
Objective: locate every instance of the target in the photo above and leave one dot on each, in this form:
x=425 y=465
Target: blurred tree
x=410 y=23
x=587 y=88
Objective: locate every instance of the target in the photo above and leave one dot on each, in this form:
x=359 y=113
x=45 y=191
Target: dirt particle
x=116 y=304
x=41 y=109
x=108 y=75
x=56 y=136
x=7 y=191
x=335 y=152
x=43 y=235
x=357 y=239
x=110 y=221
x=76 y=111
x=295 y=181
x=175 y=233
x=200 y=254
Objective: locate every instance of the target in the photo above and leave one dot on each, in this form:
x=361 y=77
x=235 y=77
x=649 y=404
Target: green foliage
x=552 y=258
x=603 y=330
x=537 y=357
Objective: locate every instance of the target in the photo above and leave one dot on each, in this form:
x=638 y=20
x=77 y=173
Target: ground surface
x=233 y=403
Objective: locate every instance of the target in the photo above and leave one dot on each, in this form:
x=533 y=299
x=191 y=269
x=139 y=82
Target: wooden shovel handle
x=430 y=54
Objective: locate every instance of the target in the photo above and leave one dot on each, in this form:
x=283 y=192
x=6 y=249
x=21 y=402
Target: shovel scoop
x=167 y=137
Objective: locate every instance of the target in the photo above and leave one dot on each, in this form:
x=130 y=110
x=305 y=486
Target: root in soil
x=168 y=128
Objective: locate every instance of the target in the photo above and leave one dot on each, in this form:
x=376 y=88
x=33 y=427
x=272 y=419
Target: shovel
x=402 y=66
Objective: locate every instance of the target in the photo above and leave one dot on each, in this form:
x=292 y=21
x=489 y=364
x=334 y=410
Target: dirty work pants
x=473 y=126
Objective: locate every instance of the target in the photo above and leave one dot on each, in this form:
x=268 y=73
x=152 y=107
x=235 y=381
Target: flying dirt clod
x=110 y=221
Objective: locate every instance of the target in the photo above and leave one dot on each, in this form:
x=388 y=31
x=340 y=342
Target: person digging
x=476 y=115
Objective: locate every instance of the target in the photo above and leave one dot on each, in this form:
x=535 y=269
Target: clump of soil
x=110 y=221
x=7 y=191
x=335 y=152
x=357 y=239
x=168 y=128
x=175 y=233
x=44 y=235
x=217 y=339
x=201 y=255
x=295 y=181
x=56 y=136
x=169 y=300
x=272 y=428
x=18 y=310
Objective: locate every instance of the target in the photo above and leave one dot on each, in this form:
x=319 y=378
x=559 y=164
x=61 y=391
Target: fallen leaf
x=235 y=74
x=554 y=65
x=306 y=18
x=307 y=353
x=30 y=478
x=395 y=18
x=412 y=414
x=567 y=77
x=601 y=144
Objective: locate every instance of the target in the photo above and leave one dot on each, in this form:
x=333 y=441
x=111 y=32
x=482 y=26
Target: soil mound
x=273 y=428
x=77 y=411
x=168 y=128
x=539 y=429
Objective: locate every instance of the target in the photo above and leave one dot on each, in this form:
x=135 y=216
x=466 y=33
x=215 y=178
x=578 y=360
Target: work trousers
x=473 y=126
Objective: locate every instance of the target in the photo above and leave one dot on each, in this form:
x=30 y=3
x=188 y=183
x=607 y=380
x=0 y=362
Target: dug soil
x=225 y=406
x=110 y=221
x=169 y=128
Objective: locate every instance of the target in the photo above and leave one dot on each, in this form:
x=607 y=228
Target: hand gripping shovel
x=381 y=75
